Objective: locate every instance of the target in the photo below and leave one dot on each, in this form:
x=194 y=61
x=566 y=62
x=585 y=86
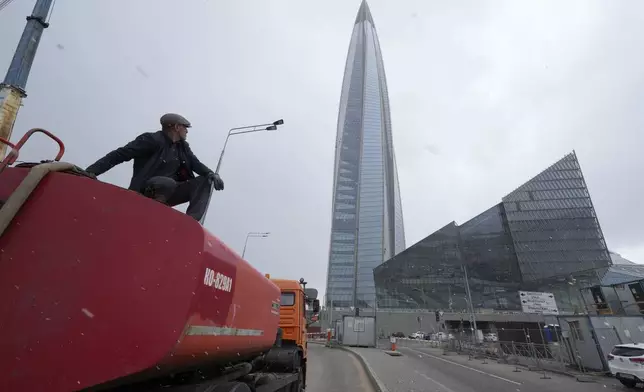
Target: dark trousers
x=195 y=191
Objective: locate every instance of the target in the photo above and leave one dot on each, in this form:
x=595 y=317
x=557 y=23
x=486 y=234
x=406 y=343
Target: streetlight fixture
x=253 y=234
x=247 y=129
x=238 y=131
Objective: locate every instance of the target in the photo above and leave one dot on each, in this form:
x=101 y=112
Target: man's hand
x=90 y=174
x=216 y=180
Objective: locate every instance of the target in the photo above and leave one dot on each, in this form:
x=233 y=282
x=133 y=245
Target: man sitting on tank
x=164 y=166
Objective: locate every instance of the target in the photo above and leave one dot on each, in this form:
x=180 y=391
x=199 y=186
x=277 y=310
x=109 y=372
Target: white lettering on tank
x=217 y=280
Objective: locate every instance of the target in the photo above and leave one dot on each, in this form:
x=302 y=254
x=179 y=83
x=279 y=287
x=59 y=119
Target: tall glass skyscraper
x=367 y=223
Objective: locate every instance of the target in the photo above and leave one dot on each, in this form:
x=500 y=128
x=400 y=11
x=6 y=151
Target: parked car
x=417 y=335
x=491 y=337
x=626 y=363
x=443 y=336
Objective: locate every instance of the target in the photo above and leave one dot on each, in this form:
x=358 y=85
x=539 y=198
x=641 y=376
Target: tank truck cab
x=297 y=307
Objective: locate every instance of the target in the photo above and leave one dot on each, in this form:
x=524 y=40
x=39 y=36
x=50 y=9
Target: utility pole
x=13 y=88
x=468 y=293
x=471 y=305
x=330 y=305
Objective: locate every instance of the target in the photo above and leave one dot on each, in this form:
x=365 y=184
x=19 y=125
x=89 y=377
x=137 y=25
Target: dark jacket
x=148 y=151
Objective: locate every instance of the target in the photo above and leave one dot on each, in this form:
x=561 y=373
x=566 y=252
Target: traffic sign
x=538 y=302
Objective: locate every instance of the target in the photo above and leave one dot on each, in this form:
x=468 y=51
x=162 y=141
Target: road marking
x=434 y=381
x=466 y=367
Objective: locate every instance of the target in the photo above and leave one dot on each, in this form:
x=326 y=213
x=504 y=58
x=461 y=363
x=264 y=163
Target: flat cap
x=174 y=119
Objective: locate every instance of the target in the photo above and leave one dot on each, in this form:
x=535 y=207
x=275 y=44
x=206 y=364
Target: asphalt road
x=335 y=370
x=420 y=370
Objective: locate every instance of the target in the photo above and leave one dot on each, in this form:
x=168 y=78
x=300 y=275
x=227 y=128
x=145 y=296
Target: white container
x=358 y=331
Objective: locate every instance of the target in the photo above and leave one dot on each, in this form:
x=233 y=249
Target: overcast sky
x=484 y=95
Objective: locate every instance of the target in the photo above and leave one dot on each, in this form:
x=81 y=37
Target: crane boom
x=13 y=88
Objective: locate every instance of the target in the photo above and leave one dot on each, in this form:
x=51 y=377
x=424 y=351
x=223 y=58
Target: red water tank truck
x=104 y=289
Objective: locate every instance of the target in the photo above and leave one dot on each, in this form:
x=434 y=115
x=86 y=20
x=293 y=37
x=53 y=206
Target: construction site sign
x=538 y=302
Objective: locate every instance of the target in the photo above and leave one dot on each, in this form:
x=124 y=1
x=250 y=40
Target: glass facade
x=554 y=225
x=367 y=222
x=544 y=236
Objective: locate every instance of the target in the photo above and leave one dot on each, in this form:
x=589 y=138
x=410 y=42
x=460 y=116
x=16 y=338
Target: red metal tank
x=98 y=283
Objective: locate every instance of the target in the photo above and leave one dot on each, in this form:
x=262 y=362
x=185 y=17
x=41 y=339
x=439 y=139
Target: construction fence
x=540 y=352
x=570 y=344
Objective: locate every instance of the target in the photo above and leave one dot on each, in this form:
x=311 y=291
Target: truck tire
x=298 y=386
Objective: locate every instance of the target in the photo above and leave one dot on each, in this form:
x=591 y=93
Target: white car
x=444 y=336
x=418 y=335
x=626 y=363
x=491 y=337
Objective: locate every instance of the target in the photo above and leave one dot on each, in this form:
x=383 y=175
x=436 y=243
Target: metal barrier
x=316 y=336
x=543 y=357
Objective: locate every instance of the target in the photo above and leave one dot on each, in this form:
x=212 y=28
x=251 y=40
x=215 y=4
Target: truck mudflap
x=282 y=359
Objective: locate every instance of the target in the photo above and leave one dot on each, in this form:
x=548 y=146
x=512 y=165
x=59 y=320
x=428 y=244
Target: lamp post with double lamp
x=238 y=131
x=250 y=235
x=247 y=129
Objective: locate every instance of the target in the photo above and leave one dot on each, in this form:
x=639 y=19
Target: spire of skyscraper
x=364 y=14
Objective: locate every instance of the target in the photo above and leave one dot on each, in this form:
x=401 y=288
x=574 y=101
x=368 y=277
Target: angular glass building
x=367 y=222
x=544 y=236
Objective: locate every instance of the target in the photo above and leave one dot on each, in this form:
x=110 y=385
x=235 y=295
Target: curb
x=375 y=381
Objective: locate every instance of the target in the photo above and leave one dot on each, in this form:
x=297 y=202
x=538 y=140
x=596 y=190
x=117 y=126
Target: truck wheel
x=229 y=387
x=298 y=386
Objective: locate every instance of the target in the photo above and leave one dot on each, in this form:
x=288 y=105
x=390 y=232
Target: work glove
x=216 y=180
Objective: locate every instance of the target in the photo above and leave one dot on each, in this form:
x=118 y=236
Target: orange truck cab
x=297 y=306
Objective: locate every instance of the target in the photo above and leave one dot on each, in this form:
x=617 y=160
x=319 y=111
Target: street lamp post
x=247 y=129
x=470 y=304
x=253 y=234
x=331 y=323
x=238 y=131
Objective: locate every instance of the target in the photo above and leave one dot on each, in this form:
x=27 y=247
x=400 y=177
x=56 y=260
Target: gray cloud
x=484 y=95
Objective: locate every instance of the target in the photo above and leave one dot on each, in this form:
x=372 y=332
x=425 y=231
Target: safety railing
x=13 y=155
